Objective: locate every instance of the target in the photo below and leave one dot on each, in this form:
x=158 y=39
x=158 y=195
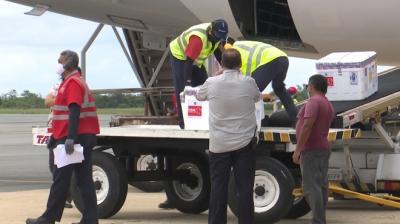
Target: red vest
x=88 y=121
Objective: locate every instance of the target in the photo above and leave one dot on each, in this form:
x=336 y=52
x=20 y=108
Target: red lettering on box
x=329 y=79
x=194 y=111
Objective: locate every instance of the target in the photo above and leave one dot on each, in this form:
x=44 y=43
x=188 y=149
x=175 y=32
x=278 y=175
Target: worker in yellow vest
x=190 y=50
x=266 y=63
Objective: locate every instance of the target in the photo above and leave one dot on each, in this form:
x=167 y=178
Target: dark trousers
x=314 y=169
x=53 y=167
x=61 y=183
x=243 y=163
x=275 y=71
x=199 y=76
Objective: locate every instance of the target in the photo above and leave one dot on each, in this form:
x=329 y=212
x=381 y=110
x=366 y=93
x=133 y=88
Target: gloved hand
x=69 y=146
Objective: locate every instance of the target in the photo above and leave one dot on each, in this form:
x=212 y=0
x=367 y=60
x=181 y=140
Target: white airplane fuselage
x=306 y=28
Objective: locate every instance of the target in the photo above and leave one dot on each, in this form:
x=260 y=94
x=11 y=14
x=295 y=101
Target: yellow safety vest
x=179 y=45
x=254 y=54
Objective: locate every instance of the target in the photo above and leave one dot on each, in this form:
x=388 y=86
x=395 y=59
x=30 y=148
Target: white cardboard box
x=350 y=75
x=196 y=113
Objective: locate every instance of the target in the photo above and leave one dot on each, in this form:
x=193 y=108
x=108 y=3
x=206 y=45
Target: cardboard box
x=350 y=75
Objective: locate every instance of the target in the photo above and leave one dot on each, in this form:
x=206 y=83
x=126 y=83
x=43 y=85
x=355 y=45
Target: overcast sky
x=30 y=46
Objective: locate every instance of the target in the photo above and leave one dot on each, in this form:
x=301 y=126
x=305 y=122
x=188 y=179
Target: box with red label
x=195 y=113
x=350 y=75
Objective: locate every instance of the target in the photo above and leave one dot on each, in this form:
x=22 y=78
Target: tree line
x=28 y=100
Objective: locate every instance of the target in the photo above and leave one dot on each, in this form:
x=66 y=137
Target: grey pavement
x=22 y=165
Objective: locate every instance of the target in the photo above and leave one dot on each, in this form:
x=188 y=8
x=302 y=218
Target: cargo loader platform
x=352 y=112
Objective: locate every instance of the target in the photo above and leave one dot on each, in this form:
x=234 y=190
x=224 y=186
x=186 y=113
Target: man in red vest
x=74 y=122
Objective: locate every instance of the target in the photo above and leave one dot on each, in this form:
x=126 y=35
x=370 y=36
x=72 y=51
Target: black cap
x=220 y=29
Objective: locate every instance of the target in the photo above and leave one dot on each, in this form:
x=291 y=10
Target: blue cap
x=220 y=29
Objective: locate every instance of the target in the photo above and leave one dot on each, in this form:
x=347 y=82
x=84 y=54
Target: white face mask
x=60 y=69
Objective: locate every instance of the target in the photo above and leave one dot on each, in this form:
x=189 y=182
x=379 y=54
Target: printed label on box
x=329 y=79
x=194 y=111
x=353 y=78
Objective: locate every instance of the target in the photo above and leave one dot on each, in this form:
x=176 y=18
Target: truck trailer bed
x=268 y=134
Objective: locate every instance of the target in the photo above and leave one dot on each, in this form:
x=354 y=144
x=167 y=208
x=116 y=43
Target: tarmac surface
x=25 y=179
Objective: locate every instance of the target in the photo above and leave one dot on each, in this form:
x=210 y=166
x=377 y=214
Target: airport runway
x=25 y=178
x=22 y=165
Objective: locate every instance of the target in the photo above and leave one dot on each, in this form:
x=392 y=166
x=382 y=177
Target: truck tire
x=110 y=183
x=300 y=206
x=191 y=197
x=148 y=162
x=273 y=188
x=299 y=209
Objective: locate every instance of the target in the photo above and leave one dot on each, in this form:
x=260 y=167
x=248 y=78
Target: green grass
x=122 y=111
x=116 y=111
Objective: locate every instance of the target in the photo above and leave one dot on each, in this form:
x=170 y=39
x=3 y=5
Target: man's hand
x=268 y=97
x=296 y=157
x=69 y=146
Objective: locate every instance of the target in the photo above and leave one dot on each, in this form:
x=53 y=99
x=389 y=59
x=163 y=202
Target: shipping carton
x=196 y=113
x=350 y=75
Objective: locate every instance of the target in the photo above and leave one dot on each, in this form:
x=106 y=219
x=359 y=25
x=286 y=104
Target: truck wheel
x=299 y=209
x=148 y=162
x=110 y=183
x=300 y=206
x=273 y=188
x=190 y=194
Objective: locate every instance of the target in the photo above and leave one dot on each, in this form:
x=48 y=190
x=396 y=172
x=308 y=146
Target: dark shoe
x=39 y=220
x=68 y=205
x=166 y=205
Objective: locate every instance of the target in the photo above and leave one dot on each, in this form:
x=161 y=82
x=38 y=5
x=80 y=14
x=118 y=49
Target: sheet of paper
x=61 y=158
